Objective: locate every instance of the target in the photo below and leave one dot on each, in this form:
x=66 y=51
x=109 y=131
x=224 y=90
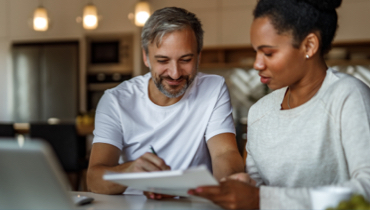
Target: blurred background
x=58 y=56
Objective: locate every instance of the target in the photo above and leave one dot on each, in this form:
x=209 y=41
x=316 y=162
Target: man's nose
x=174 y=71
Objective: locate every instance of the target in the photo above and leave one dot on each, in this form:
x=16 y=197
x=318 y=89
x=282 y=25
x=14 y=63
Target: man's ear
x=311 y=44
x=199 y=58
x=145 y=59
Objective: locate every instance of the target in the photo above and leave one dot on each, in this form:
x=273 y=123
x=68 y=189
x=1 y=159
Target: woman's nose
x=259 y=64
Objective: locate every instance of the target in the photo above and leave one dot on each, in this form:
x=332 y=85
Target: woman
x=314 y=129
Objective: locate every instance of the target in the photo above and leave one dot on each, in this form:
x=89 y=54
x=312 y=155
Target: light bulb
x=142 y=13
x=90 y=17
x=90 y=20
x=40 y=19
x=142 y=17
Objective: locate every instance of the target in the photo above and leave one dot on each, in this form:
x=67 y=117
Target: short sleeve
x=108 y=127
x=221 y=119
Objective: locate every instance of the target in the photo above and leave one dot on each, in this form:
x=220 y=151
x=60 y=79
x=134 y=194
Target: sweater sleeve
x=354 y=119
x=252 y=169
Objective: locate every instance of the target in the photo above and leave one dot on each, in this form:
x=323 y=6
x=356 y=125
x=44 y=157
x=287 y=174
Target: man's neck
x=157 y=97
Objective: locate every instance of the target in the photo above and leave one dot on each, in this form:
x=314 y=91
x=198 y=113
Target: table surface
x=141 y=202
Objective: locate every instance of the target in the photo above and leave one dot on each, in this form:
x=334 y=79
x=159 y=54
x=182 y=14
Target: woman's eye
x=268 y=54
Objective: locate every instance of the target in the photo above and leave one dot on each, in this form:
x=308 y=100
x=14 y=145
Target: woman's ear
x=311 y=44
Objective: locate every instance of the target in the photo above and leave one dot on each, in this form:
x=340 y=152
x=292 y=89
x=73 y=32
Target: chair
x=68 y=146
x=7 y=130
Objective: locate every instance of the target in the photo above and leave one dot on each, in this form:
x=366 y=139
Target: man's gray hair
x=170 y=19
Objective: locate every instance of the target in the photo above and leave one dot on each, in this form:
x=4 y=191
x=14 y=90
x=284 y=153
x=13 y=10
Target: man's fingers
x=149 y=162
x=157 y=196
x=155 y=160
x=149 y=195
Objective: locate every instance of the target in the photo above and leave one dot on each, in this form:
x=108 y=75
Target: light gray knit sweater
x=325 y=141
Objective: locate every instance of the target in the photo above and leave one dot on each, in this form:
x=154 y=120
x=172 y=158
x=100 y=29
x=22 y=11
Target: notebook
x=176 y=182
x=31 y=177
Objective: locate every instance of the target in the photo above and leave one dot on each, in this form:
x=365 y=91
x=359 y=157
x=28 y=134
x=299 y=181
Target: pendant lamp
x=142 y=13
x=40 y=19
x=90 y=17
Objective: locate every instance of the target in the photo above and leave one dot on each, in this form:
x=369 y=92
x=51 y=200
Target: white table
x=141 y=202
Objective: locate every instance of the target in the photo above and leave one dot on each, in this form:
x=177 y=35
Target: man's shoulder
x=209 y=78
x=131 y=87
x=206 y=82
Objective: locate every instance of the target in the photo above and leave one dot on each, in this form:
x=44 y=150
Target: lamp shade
x=40 y=19
x=90 y=17
x=142 y=13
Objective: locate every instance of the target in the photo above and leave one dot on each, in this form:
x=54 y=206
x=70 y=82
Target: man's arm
x=104 y=157
x=226 y=159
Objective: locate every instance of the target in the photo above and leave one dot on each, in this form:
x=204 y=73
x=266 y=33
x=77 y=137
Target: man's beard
x=169 y=93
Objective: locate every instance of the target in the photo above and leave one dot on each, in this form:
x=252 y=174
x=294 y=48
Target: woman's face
x=278 y=62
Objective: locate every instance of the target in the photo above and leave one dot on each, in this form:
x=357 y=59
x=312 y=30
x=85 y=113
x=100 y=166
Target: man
x=185 y=115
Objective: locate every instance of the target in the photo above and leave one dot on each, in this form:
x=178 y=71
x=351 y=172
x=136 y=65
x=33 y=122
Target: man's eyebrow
x=186 y=55
x=163 y=56
x=160 y=56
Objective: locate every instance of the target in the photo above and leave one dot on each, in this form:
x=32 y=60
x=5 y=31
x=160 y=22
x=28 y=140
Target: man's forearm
x=96 y=183
x=226 y=164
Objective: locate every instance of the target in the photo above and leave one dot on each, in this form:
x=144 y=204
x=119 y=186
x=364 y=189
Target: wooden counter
x=82 y=130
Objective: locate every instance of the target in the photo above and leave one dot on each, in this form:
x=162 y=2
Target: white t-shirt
x=128 y=119
x=325 y=141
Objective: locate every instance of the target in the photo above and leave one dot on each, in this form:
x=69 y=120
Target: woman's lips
x=265 y=80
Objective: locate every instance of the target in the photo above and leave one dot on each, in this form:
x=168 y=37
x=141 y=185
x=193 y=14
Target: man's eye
x=161 y=61
x=186 y=60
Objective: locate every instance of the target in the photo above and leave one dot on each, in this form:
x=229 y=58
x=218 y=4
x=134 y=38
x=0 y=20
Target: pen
x=152 y=149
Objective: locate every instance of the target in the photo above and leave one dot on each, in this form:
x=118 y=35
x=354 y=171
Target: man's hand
x=231 y=194
x=105 y=157
x=156 y=196
x=148 y=162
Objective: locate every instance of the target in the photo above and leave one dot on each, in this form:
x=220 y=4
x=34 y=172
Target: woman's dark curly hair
x=302 y=17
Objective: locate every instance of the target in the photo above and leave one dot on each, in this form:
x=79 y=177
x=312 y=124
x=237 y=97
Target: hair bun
x=325 y=4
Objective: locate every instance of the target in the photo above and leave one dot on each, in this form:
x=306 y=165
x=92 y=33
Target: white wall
x=226 y=23
x=354 y=21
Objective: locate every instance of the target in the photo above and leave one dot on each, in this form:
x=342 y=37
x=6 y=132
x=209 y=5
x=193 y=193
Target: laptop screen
x=31 y=177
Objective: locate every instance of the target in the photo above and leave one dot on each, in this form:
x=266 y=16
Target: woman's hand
x=230 y=194
x=243 y=177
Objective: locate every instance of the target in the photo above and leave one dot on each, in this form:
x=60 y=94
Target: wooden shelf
x=226 y=57
x=360 y=62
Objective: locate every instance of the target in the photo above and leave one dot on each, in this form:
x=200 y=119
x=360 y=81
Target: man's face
x=174 y=62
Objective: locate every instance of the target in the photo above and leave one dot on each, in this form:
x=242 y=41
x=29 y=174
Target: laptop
x=32 y=178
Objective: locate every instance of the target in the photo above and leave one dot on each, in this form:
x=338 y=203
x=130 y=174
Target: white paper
x=176 y=182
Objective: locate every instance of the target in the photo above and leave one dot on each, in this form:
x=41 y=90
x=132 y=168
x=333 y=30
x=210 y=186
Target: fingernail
x=198 y=189
x=190 y=192
x=152 y=196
